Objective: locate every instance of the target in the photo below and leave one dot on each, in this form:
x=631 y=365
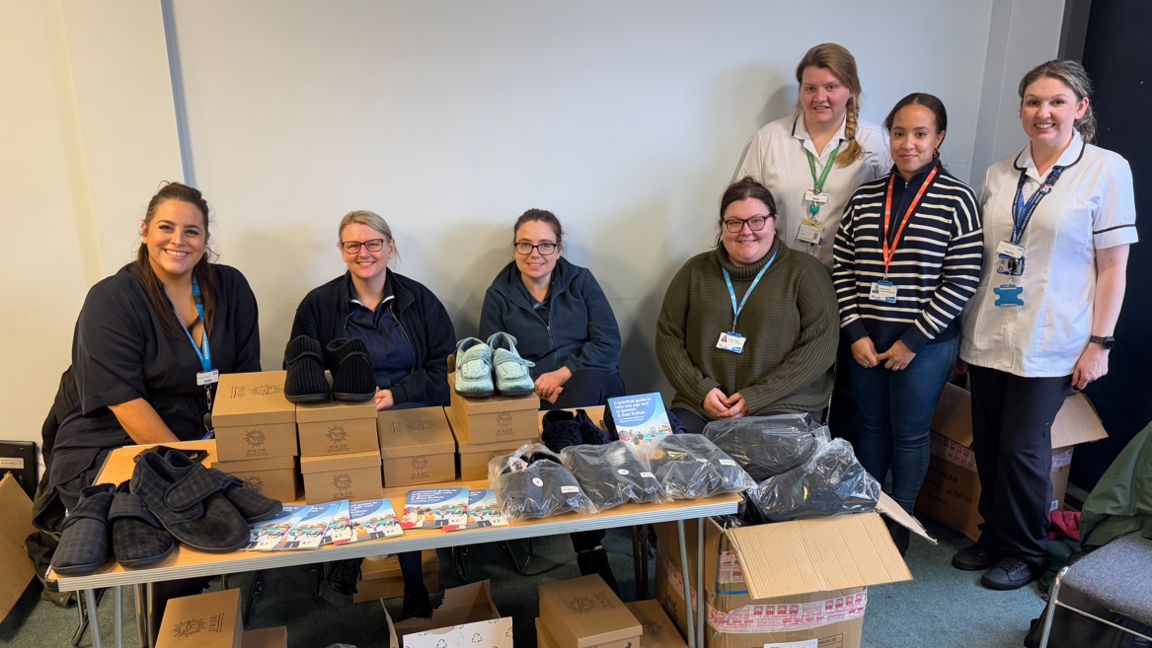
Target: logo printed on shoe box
x=420 y=468
x=586 y=604
x=239 y=391
x=342 y=481
x=653 y=628
x=188 y=627
x=254 y=483
x=337 y=435
x=504 y=424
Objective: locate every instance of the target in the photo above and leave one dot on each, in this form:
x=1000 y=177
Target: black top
x=323 y=316
x=120 y=353
x=388 y=346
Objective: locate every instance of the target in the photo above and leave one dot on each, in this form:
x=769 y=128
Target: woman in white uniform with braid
x=1059 y=217
x=812 y=162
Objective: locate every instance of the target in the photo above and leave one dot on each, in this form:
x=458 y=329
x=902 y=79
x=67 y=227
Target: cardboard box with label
x=252 y=418
x=382 y=579
x=472 y=459
x=210 y=620
x=354 y=477
x=266 y=638
x=951 y=490
x=497 y=419
x=799 y=581
x=336 y=428
x=466 y=617
x=416 y=446
x=585 y=613
x=276 y=478
x=659 y=631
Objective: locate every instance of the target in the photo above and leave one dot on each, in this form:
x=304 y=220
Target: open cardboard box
x=467 y=616
x=252 y=418
x=16 y=569
x=951 y=491
x=416 y=446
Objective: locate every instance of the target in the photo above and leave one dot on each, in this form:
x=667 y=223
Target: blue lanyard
x=1022 y=211
x=732 y=292
x=202 y=352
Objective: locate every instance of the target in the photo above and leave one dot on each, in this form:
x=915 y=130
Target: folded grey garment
x=612 y=474
x=767 y=446
x=691 y=467
x=832 y=482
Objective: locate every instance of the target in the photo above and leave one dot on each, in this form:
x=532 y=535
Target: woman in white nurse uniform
x=1058 y=219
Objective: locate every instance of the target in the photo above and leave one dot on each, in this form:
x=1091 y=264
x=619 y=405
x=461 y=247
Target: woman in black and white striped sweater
x=907 y=257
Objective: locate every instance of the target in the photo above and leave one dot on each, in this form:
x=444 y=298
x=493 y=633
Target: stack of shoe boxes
x=416 y=446
x=339 y=451
x=490 y=427
x=585 y=613
x=256 y=433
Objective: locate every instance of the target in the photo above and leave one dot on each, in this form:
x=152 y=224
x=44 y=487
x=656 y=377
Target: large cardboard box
x=276 y=478
x=382 y=579
x=951 y=491
x=354 y=477
x=210 y=620
x=336 y=428
x=266 y=638
x=252 y=418
x=416 y=446
x=543 y=639
x=496 y=419
x=659 y=631
x=585 y=613
x=16 y=569
x=466 y=617
x=472 y=458
x=786 y=582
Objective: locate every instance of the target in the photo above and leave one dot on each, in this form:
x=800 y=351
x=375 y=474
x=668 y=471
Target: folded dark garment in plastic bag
x=690 y=467
x=832 y=482
x=612 y=474
x=767 y=446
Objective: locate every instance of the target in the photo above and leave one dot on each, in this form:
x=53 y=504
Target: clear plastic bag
x=612 y=474
x=533 y=483
x=767 y=446
x=832 y=482
x=691 y=467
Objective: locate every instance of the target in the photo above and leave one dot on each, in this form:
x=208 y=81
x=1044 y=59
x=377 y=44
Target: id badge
x=1010 y=250
x=733 y=342
x=818 y=197
x=883 y=291
x=1010 y=266
x=208 y=377
x=1009 y=295
x=811 y=232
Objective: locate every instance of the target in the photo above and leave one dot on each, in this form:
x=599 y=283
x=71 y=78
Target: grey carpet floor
x=941 y=607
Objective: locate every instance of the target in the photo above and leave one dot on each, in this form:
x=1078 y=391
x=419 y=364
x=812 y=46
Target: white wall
x=626 y=119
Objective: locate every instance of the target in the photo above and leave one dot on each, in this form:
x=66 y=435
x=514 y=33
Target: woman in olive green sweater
x=749 y=328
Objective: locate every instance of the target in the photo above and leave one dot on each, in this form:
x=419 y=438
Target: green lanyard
x=819 y=182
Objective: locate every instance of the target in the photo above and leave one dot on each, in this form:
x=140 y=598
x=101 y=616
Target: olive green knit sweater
x=790 y=322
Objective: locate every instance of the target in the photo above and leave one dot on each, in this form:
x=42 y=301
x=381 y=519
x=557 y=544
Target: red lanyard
x=889 y=253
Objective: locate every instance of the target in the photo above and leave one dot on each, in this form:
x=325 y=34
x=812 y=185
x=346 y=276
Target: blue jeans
x=895 y=411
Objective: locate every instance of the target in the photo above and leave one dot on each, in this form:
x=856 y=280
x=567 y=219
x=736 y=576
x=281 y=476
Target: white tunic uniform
x=776 y=159
x=1091 y=207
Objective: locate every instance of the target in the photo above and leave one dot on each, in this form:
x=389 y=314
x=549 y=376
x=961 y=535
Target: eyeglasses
x=736 y=225
x=353 y=247
x=544 y=248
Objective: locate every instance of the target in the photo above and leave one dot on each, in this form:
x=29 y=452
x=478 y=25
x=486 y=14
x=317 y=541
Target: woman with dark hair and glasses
x=408 y=337
x=559 y=316
x=750 y=327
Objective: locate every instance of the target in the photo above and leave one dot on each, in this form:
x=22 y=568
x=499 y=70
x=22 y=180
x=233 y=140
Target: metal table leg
x=141 y=614
x=640 y=594
x=118 y=623
x=700 y=621
x=93 y=622
x=687 y=584
x=644 y=529
x=150 y=601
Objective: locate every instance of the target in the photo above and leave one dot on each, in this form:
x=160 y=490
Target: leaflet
x=309 y=531
x=264 y=536
x=429 y=508
x=483 y=512
x=639 y=419
x=372 y=520
x=338 y=531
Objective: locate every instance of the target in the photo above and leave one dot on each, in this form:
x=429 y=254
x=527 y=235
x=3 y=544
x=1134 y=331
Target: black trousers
x=843 y=415
x=587 y=388
x=693 y=424
x=1012 y=438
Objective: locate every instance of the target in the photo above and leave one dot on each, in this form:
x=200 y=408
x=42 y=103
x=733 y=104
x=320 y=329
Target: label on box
x=730 y=568
x=949 y=450
x=810 y=643
x=1059 y=461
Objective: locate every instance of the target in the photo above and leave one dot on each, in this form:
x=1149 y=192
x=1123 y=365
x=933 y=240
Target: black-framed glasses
x=353 y=247
x=544 y=249
x=735 y=225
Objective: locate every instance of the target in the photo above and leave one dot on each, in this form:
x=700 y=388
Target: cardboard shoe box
x=382 y=579
x=210 y=620
x=467 y=617
x=496 y=419
x=266 y=638
x=416 y=446
x=585 y=613
x=472 y=459
x=336 y=428
x=951 y=490
x=659 y=631
x=354 y=477
x=252 y=418
x=276 y=478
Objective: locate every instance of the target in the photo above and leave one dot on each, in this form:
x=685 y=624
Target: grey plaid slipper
x=138 y=539
x=189 y=504
x=252 y=506
x=84 y=543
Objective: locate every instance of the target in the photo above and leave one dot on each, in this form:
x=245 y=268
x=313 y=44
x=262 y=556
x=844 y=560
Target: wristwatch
x=1106 y=342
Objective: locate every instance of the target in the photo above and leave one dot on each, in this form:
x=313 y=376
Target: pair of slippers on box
x=170 y=498
x=346 y=358
x=492 y=367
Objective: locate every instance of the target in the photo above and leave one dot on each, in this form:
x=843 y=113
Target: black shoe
x=305 y=362
x=351 y=367
x=340 y=584
x=189 y=504
x=84 y=546
x=1012 y=573
x=901 y=536
x=595 y=561
x=976 y=557
x=416 y=605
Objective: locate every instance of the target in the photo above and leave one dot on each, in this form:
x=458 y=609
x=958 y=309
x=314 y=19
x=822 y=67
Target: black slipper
x=351 y=367
x=189 y=503
x=138 y=539
x=306 y=382
x=84 y=544
x=252 y=506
